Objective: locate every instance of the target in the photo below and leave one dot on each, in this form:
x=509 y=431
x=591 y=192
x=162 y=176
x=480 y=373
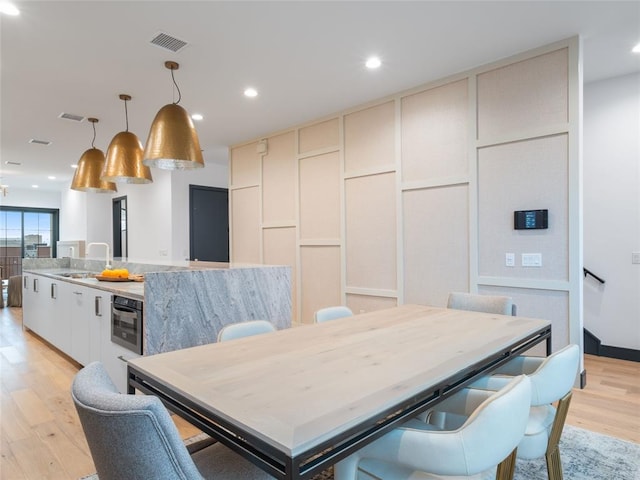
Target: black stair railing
x=589 y=272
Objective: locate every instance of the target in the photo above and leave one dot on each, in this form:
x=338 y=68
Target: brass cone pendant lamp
x=90 y=165
x=124 y=156
x=173 y=142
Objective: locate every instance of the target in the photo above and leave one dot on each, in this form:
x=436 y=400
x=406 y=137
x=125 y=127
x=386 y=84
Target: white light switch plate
x=531 y=259
x=635 y=257
x=510 y=259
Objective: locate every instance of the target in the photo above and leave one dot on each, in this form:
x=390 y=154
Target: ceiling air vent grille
x=71 y=116
x=40 y=142
x=168 y=42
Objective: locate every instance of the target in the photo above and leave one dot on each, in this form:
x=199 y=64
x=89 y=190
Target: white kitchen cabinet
x=76 y=319
x=114 y=359
x=29 y=303
x=80 y=324
x=90 y=319
x=55 y=317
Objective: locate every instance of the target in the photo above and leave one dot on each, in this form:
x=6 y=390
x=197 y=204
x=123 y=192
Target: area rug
x=585 y=456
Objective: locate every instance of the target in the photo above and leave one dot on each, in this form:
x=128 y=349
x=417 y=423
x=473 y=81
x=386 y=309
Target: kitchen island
x=187 y=303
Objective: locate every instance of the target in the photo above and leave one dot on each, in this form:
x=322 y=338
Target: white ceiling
x=305 y=58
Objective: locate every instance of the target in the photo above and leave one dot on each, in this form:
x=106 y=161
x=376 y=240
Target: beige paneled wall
x=279 y=181
x=524 y=96
x=408 y=198
x=435 y=132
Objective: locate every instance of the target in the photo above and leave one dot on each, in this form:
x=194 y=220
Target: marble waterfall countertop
x=187 y=303
x=188 y=308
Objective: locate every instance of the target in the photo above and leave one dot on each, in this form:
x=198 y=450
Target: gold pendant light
x=173 y=142
x=87 y=175
x=124 y=156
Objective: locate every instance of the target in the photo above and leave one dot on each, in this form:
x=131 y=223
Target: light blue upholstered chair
x=482 y=447
x=245 y=329
x=331 y=313
x=482 y=303
x=552 y=380
x=133 y=437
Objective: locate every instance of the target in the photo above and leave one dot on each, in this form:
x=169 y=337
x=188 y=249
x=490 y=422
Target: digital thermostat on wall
x=530 y=219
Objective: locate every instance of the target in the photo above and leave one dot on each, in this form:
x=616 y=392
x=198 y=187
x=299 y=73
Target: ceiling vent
x=40 y=142
x=9 y=162
x=71 y=116
x=168 y=42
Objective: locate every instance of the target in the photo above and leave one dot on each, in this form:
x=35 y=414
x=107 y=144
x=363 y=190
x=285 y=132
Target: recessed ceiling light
x=9 y=8
x=35 y=186
x=250 y=92
x=74 y=165
x=197 y=117
x=372 y=63
x=636 y=49
x=51 y=177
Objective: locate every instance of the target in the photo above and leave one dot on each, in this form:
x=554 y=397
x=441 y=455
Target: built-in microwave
x=126 y=323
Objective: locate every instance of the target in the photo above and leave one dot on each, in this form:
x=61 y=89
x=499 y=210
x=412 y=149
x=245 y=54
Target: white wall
x=158 y=212
x=213 y=175
x=612 y=209
x=30 y=198
x=73 y=215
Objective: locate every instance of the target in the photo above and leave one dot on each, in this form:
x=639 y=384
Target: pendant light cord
x=93 y=124
x=126 y=115
x=177 y=88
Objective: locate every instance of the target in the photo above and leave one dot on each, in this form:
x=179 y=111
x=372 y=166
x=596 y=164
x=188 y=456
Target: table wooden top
x=298 y=387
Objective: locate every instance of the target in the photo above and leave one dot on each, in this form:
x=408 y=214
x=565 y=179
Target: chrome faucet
x=108 y=265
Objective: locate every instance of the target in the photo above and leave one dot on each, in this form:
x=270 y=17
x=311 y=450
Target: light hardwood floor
x=41 y=437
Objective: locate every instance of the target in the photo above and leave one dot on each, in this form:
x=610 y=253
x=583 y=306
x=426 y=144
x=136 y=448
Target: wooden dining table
x=300 y=399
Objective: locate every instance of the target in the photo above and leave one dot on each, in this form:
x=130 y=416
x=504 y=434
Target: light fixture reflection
x=173 y=142
x=124 y=156
x=87 y=176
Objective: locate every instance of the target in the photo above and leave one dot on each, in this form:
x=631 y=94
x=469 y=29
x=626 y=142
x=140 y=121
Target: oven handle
x=124 y=313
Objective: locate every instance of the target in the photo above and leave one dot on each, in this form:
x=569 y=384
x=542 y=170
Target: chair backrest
x=497 y=426
x=555 y=376
x=331 y=313
x=245 y=329
x=481 y=303
x=129 y=436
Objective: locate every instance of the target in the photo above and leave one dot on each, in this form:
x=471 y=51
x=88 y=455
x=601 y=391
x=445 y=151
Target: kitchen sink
x=78 y=275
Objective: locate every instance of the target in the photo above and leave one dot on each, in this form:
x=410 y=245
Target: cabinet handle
x=25 y=281
x=35 y=285
x=98 y=306
x=54 y=290
x=121 y=358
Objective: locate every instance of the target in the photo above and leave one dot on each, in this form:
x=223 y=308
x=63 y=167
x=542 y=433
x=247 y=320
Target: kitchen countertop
x=133 y=290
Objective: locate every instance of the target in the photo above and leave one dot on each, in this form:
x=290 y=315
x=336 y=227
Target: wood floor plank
x=9 y=466
x=75 y=461
x=32 y=407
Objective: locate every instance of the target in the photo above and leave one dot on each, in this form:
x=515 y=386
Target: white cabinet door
x=34 y=305
x=80 y=316
x=100 y=321
x=56 y=302
x=28 y=303
x=114 y=359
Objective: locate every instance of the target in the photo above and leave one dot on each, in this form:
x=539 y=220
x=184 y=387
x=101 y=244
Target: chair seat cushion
x=536 y=436
x=370 y=469
x=219 y=462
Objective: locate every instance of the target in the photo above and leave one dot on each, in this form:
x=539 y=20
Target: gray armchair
x=133 y=437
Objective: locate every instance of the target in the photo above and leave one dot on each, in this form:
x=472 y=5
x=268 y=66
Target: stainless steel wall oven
x=126 y=323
